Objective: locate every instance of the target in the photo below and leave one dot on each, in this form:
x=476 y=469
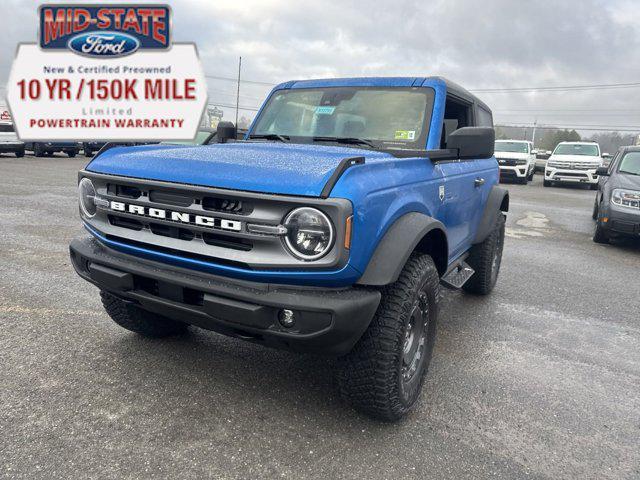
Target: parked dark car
x=40 y=149
x=92 y=147
x=617 y=205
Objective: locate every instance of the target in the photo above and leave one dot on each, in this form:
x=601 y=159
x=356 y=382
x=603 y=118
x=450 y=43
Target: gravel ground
x=539 y=380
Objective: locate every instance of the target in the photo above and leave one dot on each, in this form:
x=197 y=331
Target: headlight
x=309 y=233
x=86 y=196
x=626 y=198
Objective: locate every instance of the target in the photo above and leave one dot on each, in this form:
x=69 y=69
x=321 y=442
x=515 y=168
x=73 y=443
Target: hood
x=512 y=155
x=266 y=167
x=575 y=158
x=625 y=180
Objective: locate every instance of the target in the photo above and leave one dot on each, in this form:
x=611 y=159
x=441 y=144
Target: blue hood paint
x=267 y=167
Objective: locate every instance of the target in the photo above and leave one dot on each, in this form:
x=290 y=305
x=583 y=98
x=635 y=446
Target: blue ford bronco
x=329 y=228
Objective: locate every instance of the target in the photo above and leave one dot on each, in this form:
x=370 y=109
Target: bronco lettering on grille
x=182 y=217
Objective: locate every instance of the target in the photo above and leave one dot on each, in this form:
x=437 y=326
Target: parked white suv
x=516 y=159
x=573 y=162
x=9 y=142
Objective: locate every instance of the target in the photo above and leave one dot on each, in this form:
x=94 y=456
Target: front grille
x=572 y=165
x=207 y=223
x=507 y=162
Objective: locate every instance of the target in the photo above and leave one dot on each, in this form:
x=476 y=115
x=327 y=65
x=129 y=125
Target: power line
x=234 y=80
x=595 y=128
x=600 y=86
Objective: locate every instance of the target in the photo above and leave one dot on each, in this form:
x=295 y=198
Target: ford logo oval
x=104 y=44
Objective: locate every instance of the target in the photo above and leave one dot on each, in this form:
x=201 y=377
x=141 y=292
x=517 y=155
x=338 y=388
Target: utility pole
x=238 y=91
x=533 y=140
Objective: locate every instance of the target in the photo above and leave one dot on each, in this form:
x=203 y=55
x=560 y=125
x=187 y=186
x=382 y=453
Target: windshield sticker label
x=405 y=135
x=325 y=110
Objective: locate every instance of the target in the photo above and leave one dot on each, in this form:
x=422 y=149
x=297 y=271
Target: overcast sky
x=479 y=44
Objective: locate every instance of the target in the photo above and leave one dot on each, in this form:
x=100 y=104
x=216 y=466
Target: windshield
x=515 y=147
x=386 y=117
x=577 y=149
x=630 y=163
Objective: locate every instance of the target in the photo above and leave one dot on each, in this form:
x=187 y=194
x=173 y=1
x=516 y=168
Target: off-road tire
x=139 y=321
x=600 y=235
x=485 y=258
x=372 y=376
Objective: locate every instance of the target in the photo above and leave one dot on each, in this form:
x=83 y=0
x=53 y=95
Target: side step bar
x=457 y=276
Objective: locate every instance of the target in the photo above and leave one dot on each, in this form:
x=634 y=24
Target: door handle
x=478 y=182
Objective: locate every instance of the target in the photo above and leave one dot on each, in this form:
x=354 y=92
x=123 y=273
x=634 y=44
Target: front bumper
x=328 y=321
x=621 y=220
x=570 y=176
x=513 y=172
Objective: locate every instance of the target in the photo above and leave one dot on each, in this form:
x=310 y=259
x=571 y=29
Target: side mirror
x=225 y=131
x=473 y=142
x=602 y=171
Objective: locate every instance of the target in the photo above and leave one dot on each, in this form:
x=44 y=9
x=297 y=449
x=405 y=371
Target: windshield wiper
x=347 y=140
x=272 y=136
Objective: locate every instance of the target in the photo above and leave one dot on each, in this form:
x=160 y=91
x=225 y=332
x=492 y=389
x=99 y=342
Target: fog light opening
x=286 y=318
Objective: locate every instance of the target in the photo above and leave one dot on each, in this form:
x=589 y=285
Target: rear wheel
x=485 y=258
x=133 y=318
x=383 y=375
x=88 y=152
x=20 y=153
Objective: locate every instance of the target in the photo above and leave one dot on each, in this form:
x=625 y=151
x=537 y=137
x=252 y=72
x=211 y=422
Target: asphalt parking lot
x=539 y=380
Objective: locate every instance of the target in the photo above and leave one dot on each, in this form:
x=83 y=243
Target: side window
x=483 y=118
x=457 y=114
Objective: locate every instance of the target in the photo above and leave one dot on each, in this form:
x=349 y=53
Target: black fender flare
x=397 y=244
x=498 y=201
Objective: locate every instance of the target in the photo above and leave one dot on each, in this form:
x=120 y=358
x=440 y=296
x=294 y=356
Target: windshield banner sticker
x=405 y=135
x=325 y=110
x=106 y=72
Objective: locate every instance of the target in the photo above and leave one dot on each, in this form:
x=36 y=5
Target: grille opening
x=170 y=198
x=123 y=191
x=148 y=285
x=173 y=232
x=228 y=205
x=178 y=253
x=125 y=223
x=227 y=242
x=193 y=297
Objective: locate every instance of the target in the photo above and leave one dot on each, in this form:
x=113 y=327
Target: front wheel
x=547 y=183
x=383 y=375
x=600 y=235
x=594 y=214
x=20 y=153
x=133 y=318
x=38 y=151
x=71 y=154
x=485 y=258
x=88 y=152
